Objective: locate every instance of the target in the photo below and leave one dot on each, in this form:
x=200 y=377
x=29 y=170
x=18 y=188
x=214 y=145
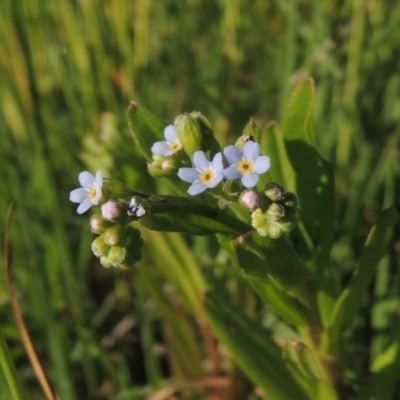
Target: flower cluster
x=119 y=244
x=246 y=164
x=276 y=214
x=182 y=155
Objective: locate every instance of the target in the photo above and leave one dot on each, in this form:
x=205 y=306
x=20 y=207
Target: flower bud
x=189 y=133
x=243 y=140
x=114 y=235
x=290 y=200
x=116 y=255
x=275 y=212
x=136 y=209
x=165 y=166
x=249 y=199
x=105 y=262
x=99 y=246
x=274 y=191
x=98 y=224
x=111 y=210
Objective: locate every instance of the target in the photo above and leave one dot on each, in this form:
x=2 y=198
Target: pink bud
x=111 y=210
x=249 y=199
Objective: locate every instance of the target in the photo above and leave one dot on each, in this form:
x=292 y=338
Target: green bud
x=208 y=140
x=243 y=140
x=114 y=235
x=251 y=129
x=265 y=224
x=99 y=246
x=189 y=133
x=288 y=223
x=274 y=191
x=99 y=224
x=275 y=230
x=117 y=255
x=290 y=200
x=166 y=166
x=105 y=262
x=275 y=212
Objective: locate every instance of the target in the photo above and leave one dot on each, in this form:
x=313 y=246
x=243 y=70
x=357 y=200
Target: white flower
x=90 y=193
x=171 y=146
x=246 y=164
x=204 y=175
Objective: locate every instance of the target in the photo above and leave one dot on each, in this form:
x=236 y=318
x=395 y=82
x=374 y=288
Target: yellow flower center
x=92 y=193
x=173 y=146
x=207 y=176
x=245 y=167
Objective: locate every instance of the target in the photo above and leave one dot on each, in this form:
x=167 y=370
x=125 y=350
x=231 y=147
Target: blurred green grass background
x=68 y=70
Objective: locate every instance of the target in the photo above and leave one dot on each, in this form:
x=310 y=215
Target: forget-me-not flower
x=90 y=193
x=246 y=164
x=204 y=175
x=170 y=146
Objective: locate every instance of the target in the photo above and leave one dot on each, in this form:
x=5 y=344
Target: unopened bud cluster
x=276 y=214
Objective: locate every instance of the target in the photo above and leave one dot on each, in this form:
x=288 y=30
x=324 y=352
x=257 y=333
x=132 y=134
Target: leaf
x=253 y=350
x=196 y=220
x=352 y=297
x=145 y=128
x=261 y=256
x=314 y=187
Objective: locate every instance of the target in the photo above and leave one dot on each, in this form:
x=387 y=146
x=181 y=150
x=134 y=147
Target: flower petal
x=232 y=173
x=160 y=148
x=99 y=179
x=217 y=164
x=197 y=188
x=84 y=206
x=217 y=179
x=188 y=174
x=262 y=164
x=250 y=180
x=78 y=195
x=251 y=150
x=170 y=133
x=86 y=179
x=200 y=160
x=232 y=154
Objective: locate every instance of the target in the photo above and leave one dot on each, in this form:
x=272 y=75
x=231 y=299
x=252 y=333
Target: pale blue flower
x=246 y=164
x=204 y=175
x=170 y=146
x=90 y=193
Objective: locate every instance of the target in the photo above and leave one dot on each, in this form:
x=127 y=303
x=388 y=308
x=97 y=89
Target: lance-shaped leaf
x=314 y=187
x=261 y=256
x=190 y=217
x=145 y=128
x=253 y=350
x=352 y=297
x=314 y=180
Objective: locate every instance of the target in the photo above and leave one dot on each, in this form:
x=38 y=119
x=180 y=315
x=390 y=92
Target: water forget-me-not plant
x=300 y=356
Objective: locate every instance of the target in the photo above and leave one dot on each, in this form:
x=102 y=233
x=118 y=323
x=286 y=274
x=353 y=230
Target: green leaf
x=145 y=128
x=261 y=256
x=352 y=297
x=279 y=300
x=253 y=350
x=195 y=222
x=314 y=187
